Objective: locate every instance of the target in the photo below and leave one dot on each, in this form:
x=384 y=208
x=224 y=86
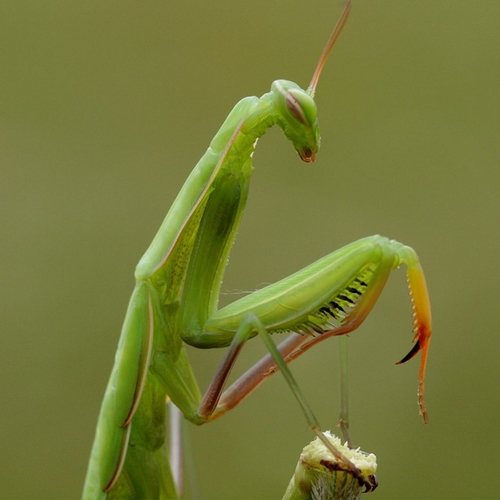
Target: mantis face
x=297 y=116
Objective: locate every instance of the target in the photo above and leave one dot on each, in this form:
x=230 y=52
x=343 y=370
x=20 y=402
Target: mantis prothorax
x=176 y=294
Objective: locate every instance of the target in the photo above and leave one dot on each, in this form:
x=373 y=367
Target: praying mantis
x=175 y=299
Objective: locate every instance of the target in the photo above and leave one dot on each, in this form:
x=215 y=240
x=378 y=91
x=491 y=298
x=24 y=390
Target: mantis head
x=297 y=116
x=296 y=109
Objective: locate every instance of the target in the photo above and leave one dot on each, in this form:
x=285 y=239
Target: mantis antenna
x=328 y=48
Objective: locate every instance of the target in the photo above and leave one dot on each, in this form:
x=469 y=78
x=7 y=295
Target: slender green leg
x=251 y=324
x=310 y=417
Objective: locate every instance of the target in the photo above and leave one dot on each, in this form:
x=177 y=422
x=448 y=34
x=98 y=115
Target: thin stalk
x=344 y=390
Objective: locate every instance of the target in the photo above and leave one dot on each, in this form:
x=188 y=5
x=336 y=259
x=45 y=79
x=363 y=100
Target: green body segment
x=178 y=282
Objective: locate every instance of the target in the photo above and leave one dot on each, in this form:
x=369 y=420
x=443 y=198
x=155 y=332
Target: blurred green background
x=105 y=107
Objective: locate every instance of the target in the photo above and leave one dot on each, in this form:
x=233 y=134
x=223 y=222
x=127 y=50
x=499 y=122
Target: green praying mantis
x=175 y=302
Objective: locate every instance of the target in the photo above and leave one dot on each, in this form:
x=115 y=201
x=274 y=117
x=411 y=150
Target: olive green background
x=105 y=107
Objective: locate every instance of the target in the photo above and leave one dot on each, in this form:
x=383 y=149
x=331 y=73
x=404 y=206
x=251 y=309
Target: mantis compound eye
x=294 y=106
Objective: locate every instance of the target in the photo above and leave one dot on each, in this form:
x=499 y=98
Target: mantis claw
x=414 y=350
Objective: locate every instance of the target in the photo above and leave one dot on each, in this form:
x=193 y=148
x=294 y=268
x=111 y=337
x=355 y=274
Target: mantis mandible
x=176 y=294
